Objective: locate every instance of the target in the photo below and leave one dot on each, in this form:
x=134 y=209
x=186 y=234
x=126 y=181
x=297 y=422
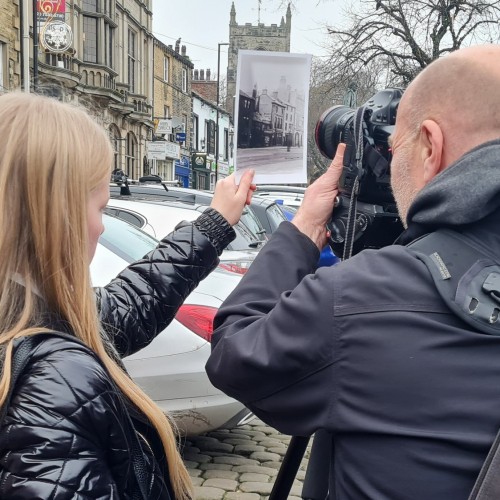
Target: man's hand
x=230 y=199
x=317 y=206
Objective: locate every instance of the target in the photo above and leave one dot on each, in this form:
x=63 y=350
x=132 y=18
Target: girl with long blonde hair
x=75 y=420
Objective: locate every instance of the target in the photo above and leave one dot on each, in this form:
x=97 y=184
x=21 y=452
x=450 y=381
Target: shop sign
x=160 y=150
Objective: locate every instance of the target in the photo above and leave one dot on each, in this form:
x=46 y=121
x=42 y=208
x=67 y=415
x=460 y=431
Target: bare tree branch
x=409 y=34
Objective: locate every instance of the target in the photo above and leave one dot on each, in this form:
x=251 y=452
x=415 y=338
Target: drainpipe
x=25 y=45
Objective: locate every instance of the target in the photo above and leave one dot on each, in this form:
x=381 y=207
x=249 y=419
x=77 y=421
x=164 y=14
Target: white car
x=172 y=368
x=159 y=218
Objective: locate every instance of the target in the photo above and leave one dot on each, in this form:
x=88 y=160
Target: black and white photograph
x=272 y=91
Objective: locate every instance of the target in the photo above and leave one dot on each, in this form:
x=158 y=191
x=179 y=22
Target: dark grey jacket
x=67 y=435
x=368 y=350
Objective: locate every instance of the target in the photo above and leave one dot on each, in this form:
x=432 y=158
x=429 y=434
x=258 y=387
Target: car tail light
x=235 y=267
x=199 y=319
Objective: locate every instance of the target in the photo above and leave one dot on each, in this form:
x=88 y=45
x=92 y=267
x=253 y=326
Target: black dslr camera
x=366 y=175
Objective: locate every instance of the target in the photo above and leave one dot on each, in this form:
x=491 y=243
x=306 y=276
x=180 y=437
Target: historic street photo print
x=272 y=93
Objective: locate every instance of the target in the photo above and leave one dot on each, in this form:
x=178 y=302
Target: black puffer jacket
x=67 y=433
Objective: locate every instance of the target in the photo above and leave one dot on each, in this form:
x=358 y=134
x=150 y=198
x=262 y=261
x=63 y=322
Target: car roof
x=153 y=211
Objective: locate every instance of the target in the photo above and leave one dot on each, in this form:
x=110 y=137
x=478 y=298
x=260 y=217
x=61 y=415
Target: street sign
x=180 y=136
x=160 y=150
x=163 y=126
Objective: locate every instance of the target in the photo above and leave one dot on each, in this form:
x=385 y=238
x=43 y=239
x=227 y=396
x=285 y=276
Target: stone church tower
x=253 y=37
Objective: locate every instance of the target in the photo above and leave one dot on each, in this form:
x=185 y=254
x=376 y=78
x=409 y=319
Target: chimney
x=196 y=74
x=202 y=74
x=178 y=45
x=208 y=74
x=183 y=50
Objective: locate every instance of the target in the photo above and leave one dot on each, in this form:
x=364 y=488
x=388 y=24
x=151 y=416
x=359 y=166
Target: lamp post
x=217 y=116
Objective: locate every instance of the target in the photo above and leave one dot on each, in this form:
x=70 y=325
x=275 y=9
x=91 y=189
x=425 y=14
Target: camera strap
x=353 y=202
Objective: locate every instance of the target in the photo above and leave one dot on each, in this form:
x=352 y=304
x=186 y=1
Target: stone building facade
x=253 y=37
x=10 y=45
x=172 y=100
x=106 y=66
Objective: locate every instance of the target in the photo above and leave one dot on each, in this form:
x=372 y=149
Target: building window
x=90 y=5
x=114 y=135
x=194 y=133
x=108 y=45
x=166 y=111
x=132 y=56
x=166 y=63
x=130 y=155
x=226 y=144
x=90 y=39
x=184 y=79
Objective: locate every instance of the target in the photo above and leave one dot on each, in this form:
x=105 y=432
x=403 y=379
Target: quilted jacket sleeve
x=57 y=435
x=145 y=297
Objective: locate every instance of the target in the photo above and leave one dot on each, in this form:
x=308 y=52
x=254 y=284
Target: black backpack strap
x=465 y=275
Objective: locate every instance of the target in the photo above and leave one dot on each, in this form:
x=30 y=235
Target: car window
x=125 y=240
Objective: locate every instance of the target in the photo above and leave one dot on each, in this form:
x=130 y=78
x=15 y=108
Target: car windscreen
x=253 y=224
x=125 y=240
x=244 y=239
x=275 y=216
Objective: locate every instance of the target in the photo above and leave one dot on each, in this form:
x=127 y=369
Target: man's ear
x=431 y=148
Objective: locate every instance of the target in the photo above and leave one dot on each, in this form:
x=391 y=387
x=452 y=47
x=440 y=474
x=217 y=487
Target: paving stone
x=252 y=434
x=220 y=474
x=240 y=440
x=296 y=490
x=204 y=493
x=278 y=450
x=197 y=481
x=255 y=487
x=265 y=429
x=301 y=475
x=218 y=453
x=273 y=465
x=215 y=445
x=191 y=448
x=251 y=477
x=264 y=456
x=223 y=484
x=197 y=457
x=235 y=460
x=255 y=469
x=247 y=449
x=195 y=472
x=267 y=442
x=190 y=465
x=238 y=495
x=216 y=466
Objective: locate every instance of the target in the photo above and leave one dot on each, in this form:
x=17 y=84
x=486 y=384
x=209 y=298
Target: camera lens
x=332 y=128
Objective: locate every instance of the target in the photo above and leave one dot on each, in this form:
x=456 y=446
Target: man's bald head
x=461 y=93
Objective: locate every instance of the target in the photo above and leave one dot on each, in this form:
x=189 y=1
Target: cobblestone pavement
x=240 y=463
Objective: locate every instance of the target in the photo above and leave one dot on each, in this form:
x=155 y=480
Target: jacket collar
x=464 y=193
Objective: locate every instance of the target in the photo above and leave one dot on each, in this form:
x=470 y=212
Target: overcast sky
x=202 y=24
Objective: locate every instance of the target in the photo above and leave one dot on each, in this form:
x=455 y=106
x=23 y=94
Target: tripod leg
x=289 y=468
x=317 y=478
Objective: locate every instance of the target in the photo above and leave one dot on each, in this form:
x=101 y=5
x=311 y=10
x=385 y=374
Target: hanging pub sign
x=55 y=34
x=51 y=10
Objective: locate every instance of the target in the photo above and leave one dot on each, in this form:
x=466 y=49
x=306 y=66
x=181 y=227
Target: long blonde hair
x=52 y=155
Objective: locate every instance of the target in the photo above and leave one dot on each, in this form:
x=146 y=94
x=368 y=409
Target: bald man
x=367 y=350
